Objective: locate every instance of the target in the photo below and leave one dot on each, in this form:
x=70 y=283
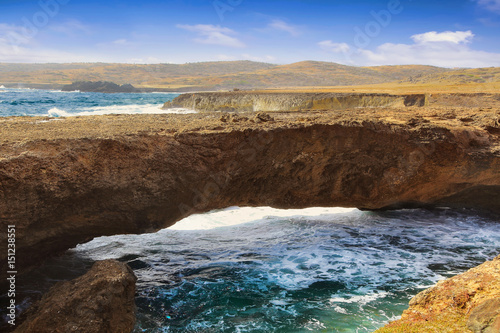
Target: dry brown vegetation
x=305 y=76
x=210 y=75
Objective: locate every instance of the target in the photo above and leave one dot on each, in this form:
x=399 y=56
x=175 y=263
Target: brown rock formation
x=486 y=317
x=101 y=301
x=63 y=182
x=241 y=101
x=469 y=302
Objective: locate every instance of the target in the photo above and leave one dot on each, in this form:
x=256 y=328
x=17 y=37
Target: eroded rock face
x=243 y=101
x=486 y=317
x=249 y=101
x=468 y=302
x=65 y=182
x=101 y=301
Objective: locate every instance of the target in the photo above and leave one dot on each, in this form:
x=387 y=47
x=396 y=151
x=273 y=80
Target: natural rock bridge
x=63 y=182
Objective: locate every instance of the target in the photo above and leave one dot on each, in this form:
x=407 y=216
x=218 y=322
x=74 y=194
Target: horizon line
x=226 y=61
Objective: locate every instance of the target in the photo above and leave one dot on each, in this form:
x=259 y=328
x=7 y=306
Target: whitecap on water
x=264 y=269
x=235 y=215
x=55 y=112
x=118 y=109
x=62 y=92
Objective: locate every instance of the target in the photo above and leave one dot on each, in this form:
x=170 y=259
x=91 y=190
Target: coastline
x=446 y=156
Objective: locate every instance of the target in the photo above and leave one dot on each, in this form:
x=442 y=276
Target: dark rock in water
x=100 y=301
x=329 y=286
x=100 y=86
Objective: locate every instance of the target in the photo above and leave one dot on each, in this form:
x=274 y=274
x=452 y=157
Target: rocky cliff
x=466 y=303
x=65 y=181
x=100 y=301
x=242 y=101
x=268 y=101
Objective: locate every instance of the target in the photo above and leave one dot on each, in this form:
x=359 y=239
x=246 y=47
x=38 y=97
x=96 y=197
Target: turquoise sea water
x=267 y=270
x=261 y=269
x=33 y=102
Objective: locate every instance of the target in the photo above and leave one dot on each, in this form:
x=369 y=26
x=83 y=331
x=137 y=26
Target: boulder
x=101 y=301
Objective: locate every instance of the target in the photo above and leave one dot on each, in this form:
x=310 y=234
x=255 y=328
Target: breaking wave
x=118 y=109
x=268 y=270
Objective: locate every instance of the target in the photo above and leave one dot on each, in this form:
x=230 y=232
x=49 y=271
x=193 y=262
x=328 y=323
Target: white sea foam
x=55 y=112
x=358 y=268
x=235 y=215
x=2 y=87
x=118 y=109
x=63 y=92
x=358 y=299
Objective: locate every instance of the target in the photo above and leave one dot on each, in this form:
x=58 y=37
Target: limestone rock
x=238 y=101
x=101 y=301
x=65 y=182
x=486 y=317
x=468 y=302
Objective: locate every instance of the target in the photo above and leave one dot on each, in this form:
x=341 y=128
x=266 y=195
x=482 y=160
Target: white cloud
x=18 y=45
x=71 y=27
x=118 y=43
x=488 y=22
x=446 y=49
x=456 y=37
x=283 y=26
x=14 y=35
x=16 y=53
x=213 y=35
x=330 y=46
x=121 y=41
x=491 y=5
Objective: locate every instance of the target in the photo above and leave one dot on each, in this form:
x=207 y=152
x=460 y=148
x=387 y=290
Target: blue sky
x=459 y=33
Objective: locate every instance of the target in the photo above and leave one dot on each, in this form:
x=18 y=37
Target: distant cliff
x=242 y=101
x=100 y=86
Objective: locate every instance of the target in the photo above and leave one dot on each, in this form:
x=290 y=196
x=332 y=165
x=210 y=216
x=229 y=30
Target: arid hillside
x=209 y=75
x=458 y=76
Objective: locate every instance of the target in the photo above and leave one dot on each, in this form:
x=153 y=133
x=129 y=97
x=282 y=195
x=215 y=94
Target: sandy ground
x=24 y=129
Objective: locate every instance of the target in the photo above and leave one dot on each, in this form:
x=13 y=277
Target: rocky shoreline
x=100 y=301
x=468 y=302
x=66 y=181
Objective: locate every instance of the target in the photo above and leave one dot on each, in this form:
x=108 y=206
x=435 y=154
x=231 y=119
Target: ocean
x=54 y=103
x=266 y=270
x=261 y=269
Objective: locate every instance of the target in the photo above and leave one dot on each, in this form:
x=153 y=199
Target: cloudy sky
x=449 y=33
